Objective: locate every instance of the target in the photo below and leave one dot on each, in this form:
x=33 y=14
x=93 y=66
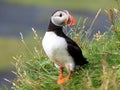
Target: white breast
x=56 y=49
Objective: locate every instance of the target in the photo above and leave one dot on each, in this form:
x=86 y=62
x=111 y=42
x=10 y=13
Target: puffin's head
x=62 y=18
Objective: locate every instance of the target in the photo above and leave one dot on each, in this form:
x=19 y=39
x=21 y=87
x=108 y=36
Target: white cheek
x=59 y=20
x=56 y=21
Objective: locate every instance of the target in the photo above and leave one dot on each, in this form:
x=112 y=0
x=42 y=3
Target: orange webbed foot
x=62 y=80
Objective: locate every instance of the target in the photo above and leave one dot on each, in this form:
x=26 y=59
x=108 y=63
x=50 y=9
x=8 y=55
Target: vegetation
x=8 y=48
x=36 y=72
x=69 y=4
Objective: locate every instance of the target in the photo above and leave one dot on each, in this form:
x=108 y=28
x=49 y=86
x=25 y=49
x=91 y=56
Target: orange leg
x=63 y=80
x=61 y=73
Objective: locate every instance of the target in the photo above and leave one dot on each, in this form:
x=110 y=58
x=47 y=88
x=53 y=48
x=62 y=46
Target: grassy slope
x=36 y=72
x=8 y=48
x=71 y=4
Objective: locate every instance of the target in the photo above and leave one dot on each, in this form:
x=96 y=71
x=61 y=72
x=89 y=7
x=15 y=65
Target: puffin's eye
x=60 y=15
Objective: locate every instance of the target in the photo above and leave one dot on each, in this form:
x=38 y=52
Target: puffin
x=62 y=50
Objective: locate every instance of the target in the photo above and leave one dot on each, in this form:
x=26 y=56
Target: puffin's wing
x=76 y=53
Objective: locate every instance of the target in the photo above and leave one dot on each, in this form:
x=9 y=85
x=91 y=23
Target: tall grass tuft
x=36 y=72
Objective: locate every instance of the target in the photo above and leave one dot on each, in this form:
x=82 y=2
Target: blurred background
x=21 y=15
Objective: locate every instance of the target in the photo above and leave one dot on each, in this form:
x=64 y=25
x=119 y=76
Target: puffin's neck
x=55 y=29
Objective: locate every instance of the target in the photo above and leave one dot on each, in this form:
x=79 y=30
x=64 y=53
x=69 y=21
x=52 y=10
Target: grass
x=36 y=72
x=92 y=5
x=8 y=48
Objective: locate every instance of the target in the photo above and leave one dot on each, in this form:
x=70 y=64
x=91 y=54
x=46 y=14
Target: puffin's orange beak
x=72 y=21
